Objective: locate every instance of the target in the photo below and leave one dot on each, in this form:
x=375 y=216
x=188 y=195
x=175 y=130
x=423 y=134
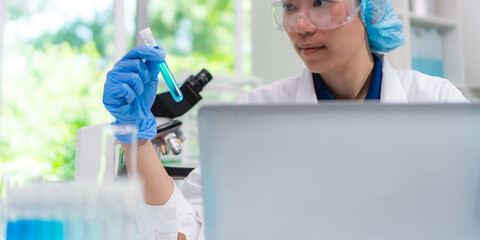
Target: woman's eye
x=288 y=7
x=319 y=3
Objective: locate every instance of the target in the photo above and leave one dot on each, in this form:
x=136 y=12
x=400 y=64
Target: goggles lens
x=320 y=14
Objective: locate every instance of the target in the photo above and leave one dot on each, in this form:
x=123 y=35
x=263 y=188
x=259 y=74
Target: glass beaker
x=119 y=154
x=119 y=149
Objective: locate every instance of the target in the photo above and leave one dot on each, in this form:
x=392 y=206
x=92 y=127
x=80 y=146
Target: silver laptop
x=341 y=171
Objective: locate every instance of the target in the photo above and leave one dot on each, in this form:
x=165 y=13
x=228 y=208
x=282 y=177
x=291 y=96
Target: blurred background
x=54 y=56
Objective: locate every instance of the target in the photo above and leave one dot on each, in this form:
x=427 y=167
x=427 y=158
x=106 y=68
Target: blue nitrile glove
x=384 y=28
x=131 y=88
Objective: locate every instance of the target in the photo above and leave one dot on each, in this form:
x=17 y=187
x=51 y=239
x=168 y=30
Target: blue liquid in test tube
x=172 y=85
x=170 y=81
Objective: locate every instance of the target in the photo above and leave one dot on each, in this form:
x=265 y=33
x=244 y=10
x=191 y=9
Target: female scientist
x=339 y=41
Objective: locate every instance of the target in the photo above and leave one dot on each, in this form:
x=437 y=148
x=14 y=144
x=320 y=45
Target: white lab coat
x=184 y=213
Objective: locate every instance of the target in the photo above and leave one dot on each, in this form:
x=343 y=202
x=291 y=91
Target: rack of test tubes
x=71 y=211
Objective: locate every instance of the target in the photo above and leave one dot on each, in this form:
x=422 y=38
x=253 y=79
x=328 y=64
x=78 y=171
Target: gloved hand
x=384 y=28
x=131 y=87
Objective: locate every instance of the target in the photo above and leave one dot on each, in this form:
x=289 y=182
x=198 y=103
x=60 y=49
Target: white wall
x=273 y=56
x=141 y=19
x=471 y=40
x=120 y=36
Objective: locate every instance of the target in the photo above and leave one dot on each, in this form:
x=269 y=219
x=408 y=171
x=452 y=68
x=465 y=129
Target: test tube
x=172 y=85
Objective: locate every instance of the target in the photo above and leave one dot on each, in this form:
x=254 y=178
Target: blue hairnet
x=384 y=28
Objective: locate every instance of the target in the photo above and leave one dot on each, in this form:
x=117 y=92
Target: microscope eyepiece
x=200 y=80
x=204 y=77
x=165 y=106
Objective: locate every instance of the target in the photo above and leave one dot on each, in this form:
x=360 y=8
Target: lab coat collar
x=391 y=92
x=392 y=89
x=306 y=90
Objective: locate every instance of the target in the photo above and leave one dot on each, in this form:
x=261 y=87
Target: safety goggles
x=320 y=14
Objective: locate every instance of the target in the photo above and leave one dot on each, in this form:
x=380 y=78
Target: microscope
x=169 y=137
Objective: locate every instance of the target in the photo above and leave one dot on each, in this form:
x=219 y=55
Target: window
x=195 y=33
x=55 y=57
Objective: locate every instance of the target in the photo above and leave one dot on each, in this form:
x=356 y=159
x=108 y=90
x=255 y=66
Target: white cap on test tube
x=147 y=37
x=146 y=33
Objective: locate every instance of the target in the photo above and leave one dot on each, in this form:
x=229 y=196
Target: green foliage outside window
x=195 y=34
x=43 y=107
x=59 y=83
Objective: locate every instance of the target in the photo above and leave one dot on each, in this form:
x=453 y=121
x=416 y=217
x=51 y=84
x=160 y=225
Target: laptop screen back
x=341 y=171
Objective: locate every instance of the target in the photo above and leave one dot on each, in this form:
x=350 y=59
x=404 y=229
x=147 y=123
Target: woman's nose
x=304 y=25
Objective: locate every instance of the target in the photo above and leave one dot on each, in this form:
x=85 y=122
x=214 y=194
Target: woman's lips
x=311 y=50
